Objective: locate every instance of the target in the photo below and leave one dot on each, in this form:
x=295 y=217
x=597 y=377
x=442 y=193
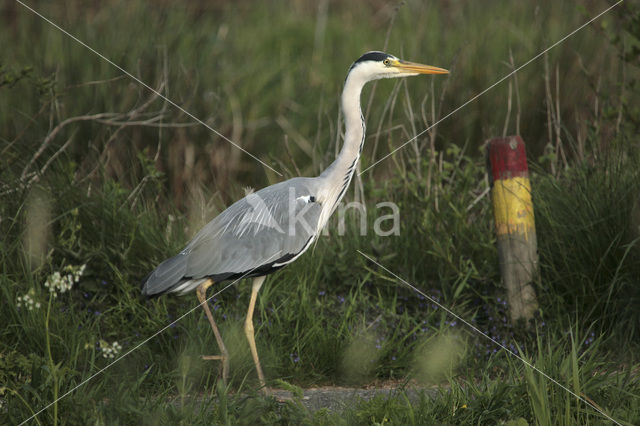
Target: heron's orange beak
x=415 y=68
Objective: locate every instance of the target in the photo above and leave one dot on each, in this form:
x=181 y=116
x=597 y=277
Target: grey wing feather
x=165 y=275
x=264 y=230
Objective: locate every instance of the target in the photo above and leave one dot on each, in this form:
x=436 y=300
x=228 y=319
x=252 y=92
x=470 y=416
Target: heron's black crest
x=371 y=56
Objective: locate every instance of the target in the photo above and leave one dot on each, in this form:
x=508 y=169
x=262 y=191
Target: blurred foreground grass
x=118 y=195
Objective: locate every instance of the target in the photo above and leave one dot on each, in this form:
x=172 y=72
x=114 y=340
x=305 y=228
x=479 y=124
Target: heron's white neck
x=353 y=119
x=338 y=175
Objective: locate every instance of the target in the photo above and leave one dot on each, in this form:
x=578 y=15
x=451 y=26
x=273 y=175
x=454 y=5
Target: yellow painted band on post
x=512 y=206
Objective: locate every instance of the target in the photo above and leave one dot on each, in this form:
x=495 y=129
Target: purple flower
x=322 y=293
x=340 y=299
x=590 y=339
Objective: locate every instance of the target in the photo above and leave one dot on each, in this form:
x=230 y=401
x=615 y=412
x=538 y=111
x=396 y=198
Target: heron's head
x=376 y=65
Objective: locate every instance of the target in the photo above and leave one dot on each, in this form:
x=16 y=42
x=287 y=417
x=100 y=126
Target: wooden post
x=515 y=226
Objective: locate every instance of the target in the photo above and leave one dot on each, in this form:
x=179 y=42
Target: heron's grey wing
x=263 y=231
x=166 y=276
x=254 y=236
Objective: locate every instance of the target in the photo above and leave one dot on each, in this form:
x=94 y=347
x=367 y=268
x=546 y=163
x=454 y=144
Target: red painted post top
x=507 y=158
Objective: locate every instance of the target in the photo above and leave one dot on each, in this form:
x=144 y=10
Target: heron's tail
x=166 y=276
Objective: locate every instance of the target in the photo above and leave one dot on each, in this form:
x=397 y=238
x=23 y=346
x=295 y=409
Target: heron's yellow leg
x=224 y=355
x=249 y=332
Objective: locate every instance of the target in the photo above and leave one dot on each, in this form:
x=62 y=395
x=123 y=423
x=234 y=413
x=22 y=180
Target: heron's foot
x=213 y=357
x=267 y=391
x=282 y=397
x=225 y=365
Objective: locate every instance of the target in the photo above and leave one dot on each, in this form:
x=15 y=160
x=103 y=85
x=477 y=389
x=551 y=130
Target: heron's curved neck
x=341 y=170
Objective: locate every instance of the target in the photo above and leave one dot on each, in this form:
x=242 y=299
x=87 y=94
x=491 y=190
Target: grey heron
x=272 y=227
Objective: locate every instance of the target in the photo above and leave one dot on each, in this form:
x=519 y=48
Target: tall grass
x=256 y=79
x=120 y=196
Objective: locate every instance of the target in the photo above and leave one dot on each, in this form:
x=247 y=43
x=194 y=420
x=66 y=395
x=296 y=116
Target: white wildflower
x=58 y=282
x=28 y=301
x=110 y=350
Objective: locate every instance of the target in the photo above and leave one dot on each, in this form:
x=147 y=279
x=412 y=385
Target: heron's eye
x=387 y=62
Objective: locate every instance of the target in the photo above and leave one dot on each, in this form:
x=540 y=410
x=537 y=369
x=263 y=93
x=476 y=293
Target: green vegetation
x=97 y=171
